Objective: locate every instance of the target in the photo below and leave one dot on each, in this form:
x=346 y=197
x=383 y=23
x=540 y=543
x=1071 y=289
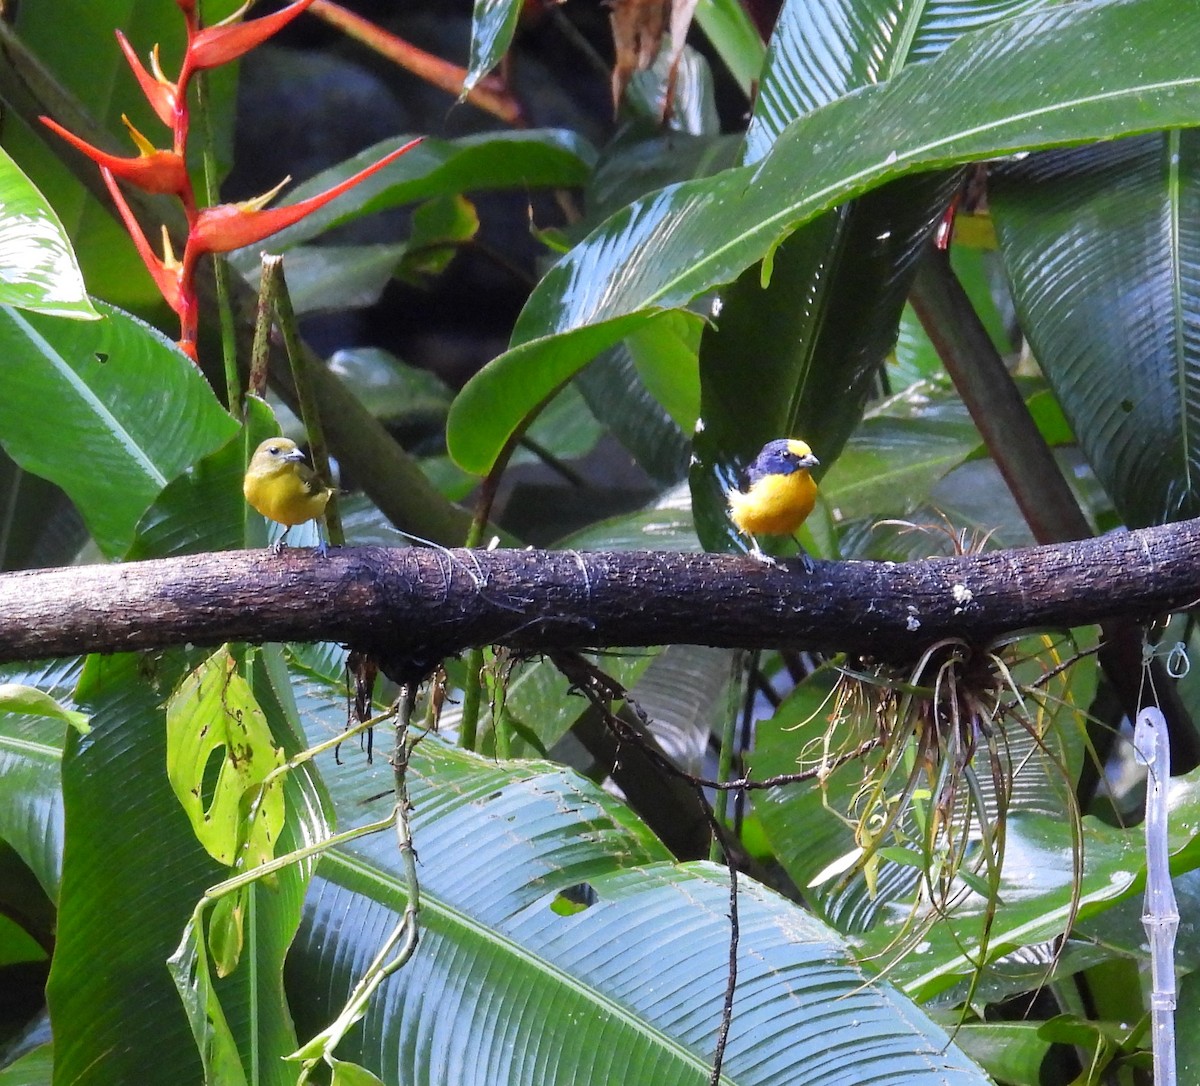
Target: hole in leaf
x=574 y=899
x=212 y=771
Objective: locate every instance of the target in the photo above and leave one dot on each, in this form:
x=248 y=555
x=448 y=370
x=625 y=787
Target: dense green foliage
x=715 y=289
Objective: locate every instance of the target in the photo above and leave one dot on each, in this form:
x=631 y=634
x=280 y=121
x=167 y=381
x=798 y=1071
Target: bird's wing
x=311 y=481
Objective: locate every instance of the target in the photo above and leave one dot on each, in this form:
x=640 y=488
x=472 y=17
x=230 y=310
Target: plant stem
x=1047 y=503
x=233 y=384
x=725 y=757
x=272 y=268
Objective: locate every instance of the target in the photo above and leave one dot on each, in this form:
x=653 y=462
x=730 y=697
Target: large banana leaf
x=984 y=96
x=820 y=51
x=504 y=987
x=1103 y=253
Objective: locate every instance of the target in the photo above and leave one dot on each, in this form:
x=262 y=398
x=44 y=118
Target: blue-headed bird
x=777 y=496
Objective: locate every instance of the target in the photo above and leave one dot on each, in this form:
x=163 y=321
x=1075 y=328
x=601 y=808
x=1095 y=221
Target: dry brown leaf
x=638 y=30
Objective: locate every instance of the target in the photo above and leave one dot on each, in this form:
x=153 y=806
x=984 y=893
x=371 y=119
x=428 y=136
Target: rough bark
x=412 y=607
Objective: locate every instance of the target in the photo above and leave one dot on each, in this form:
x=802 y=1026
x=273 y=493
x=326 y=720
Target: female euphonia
x=280 y=485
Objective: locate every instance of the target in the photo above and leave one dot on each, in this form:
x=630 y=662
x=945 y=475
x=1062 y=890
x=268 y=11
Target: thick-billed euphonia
x=778 y=493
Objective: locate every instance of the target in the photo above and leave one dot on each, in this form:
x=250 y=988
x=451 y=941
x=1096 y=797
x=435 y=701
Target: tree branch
x=410 y=608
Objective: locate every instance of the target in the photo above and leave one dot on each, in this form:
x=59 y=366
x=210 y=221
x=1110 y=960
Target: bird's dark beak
x=809 y=461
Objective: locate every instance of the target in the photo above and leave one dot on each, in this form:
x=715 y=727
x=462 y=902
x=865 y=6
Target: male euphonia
x=280 y=485
x=778 y=494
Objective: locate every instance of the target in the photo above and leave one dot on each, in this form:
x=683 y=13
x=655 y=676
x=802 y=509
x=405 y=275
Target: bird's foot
x=763 y=559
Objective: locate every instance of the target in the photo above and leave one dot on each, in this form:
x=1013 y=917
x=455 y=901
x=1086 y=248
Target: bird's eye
x=273 y=450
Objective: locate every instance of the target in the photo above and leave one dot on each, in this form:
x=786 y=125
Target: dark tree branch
x=411 y=608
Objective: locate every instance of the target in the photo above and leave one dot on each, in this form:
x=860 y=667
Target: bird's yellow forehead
x=276 y=445
x=800 y=448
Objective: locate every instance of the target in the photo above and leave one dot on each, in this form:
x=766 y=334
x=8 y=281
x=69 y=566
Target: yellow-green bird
x=777 y=496
x=280 y=485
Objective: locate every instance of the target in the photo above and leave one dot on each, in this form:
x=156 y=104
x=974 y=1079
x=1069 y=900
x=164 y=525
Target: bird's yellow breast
x=285 y=494
x=774 y=504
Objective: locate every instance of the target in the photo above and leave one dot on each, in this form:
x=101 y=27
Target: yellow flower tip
x=156 y=67
x=236 y=16
x=144 y=146
x=257 y=203
x=169 y=260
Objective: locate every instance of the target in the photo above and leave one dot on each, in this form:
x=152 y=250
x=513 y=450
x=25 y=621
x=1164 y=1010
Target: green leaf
x=821 y=49
x=31 y=808
x=18 y=698
x=646 y=390
x=492 y=26
x=685 y=693
x=1010 y=1051
x=440 y=227
x=897 y=456
x=189 y=969
x=325 y=277
x=132 y=872
x=664 y=354
x=44 y=528
x=351 y=1074
x=215 y=729
x=26 y=925
x=91 y=379
x=1119 y=348
x=536 y=695
x=984 y=96
x=37 y=267
x=642 y=158
x=736 y=39
x=1188 y=1052
x=664 y=526
x=202 y=510
x=542 y=997
x=394 y=391
x=34 y=1068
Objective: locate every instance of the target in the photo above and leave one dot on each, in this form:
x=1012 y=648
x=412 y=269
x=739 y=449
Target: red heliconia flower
x=167 y=272
x=214 y=229
x=226 y=227
x=152 y=171
x=160 y=92
x=228 y=40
